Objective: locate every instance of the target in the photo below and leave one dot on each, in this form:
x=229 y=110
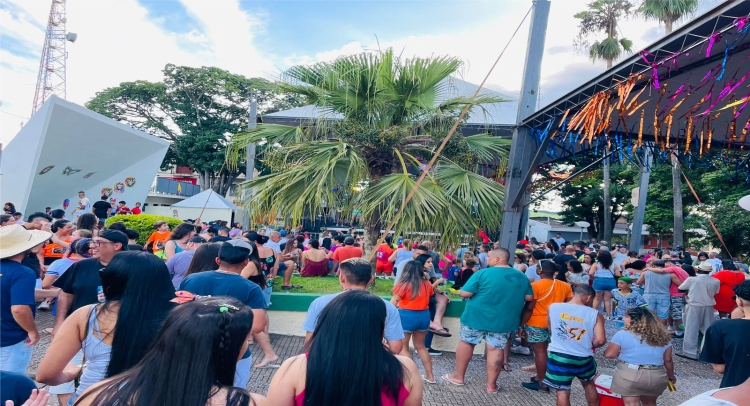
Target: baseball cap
x=283 y=233
x=198 y=239
x=257 y=238
x=234 y=251
x=349 y=241
x=115 y=236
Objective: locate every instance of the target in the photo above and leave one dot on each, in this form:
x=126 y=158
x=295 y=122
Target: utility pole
x=607 y=199
x=636 y=238
x=252 y=123
x=521 y=159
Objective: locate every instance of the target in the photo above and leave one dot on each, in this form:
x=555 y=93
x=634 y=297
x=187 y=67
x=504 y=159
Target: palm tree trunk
x=668 y=26
x=372 y=227
x=607 y=226
x=609 y=63
x=677 y=197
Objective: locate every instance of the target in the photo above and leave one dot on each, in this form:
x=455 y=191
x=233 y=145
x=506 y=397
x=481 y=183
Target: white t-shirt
x=633 y=351
x=706 y=399
x=531 y=273
x=572 y=328
x=559 y=241
x=716 y=263
x=618 y=258
x=275 y=245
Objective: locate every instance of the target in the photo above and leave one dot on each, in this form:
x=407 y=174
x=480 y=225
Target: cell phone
x=671 y=386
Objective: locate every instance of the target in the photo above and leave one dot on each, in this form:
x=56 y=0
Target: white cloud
x=117 y=42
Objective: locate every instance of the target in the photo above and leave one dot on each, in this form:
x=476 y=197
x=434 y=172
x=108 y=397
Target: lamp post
x=745 y=202
x=582 y=224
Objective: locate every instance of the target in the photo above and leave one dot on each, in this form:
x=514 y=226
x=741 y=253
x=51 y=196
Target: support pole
x=523 y=146
x=636 y=238
x=252 y=123
x=606 y=235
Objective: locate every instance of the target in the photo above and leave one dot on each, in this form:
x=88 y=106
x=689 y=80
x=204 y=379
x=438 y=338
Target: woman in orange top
x=158 y=238
x=59 y=242
x=412 y=297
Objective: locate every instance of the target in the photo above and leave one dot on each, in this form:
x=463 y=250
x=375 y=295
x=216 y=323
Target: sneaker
x=670 y=328
x=434 y=352
x=678 y=334
x=517 y=349
x=43 y=306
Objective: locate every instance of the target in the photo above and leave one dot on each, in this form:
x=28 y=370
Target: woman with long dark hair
x=644 y=342
x=411 y=295
x=115 y=334
x=9 y=208
x=192 y=362
x=60 y=241
x=204 y=259
x=256 y=273
x=605 y=273
x=178 y=240
x=87 y=221
x=347 y=349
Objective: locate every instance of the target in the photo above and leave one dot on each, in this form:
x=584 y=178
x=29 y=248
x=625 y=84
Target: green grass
x=330 y=284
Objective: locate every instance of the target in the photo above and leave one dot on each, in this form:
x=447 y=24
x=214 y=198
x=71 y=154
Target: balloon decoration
x=106 y=191
x=66 y=203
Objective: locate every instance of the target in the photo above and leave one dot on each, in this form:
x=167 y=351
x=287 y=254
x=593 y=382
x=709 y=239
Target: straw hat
x=15 y=239
x=706 y=267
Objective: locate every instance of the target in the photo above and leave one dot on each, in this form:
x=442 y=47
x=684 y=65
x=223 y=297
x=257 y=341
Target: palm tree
x=667 y=11
x=382 y=117
x=603 y=16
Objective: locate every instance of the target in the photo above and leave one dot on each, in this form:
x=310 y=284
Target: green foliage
x=733 y=222
x=603 y=16
x=196 y=109
x=667 y=11
x=583 y=198
x=394 y=120
x=143 y=223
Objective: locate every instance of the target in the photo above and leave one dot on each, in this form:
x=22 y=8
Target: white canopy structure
x=213 y=205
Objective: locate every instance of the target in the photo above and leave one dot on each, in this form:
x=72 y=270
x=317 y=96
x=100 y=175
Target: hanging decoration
x=66 y=203
x=107 y=191
x=119 y=187
x=130 y=181
x=46 y=169
x=70 y=171
x=88 y=175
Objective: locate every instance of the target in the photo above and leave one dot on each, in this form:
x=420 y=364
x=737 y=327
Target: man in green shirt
x=497 y=296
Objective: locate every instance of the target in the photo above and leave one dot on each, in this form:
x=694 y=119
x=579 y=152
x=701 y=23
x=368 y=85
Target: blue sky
x=127 y=40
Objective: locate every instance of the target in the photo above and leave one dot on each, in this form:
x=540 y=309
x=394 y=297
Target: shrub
x=143 y=223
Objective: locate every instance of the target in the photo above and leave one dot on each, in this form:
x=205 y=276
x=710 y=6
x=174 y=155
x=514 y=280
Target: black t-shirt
x=15 y=387
x=32 y=261
x=561 y=261
x=726 y=343
x=101 y=209
x=219 y=238
x=82 y=280
x=135 y=247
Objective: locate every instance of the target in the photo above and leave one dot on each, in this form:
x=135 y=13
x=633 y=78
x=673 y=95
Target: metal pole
x=252 y=123
x=523 y=147
x=636 y=238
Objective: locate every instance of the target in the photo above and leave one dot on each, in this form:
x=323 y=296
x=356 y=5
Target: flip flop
x=445 y=378
x=529 y=368
x=424 y=378
x=268 y=366
x=442 y=332
x=507 y=368
x=493 y=391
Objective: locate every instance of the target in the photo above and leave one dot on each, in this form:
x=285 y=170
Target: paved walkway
x=692 y=377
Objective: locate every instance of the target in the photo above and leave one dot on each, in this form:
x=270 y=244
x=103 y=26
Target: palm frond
x=267 y=134
x=488 y=148
x=481 y=196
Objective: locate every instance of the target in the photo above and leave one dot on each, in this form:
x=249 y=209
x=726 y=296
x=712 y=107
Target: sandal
x=507 y=368
x=446 y=378
x=529 y=368
x=441 y=332
x=424 y=378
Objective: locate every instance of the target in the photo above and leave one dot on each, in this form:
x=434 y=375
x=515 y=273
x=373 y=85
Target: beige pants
x=639 y=382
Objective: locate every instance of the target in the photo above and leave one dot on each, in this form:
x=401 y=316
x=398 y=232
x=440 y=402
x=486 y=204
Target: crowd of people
x=133 y=324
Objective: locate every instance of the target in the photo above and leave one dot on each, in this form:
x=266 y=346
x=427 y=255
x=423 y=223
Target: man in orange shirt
x=535 y=320
x=348 y=250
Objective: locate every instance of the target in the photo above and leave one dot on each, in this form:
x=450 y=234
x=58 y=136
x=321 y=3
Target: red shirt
x=345 y=252
x=135 y=210
x=484 y=236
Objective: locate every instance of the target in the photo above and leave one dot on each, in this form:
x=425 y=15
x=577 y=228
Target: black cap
x=197 y=239
x=257 y=238
x=235 y=251
x=115 y=236
x=349 y=241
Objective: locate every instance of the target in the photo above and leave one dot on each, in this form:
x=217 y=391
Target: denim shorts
x=414 y=320
x=493 y=339
x=659 y=304
x=604 y=284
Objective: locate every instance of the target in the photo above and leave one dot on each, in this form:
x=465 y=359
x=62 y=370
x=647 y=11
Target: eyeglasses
x=98 y=243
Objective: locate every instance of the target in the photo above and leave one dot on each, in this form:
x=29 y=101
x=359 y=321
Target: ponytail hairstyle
x=80 y=246
x=193 y=356
x=57 y=225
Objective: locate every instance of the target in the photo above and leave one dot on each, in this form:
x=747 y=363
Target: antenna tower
x=51 y=77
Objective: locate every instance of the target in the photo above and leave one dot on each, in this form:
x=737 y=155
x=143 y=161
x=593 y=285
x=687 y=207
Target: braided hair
x=80 y=246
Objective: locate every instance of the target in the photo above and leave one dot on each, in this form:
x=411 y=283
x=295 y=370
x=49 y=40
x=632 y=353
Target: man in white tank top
x=576 y=329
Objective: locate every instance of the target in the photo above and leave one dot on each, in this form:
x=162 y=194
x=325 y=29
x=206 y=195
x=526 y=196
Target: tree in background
x=667 y=11
x=603 y=16
x=197 y=109
x=395 y=113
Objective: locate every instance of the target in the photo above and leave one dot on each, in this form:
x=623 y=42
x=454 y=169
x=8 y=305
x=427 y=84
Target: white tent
x=217 y=207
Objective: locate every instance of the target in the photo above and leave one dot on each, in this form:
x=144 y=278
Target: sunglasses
x=99 y=243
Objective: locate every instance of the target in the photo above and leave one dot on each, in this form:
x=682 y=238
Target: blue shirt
x=178 y=265
x=17 y=283
x=211 y=283
x=393 y=329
